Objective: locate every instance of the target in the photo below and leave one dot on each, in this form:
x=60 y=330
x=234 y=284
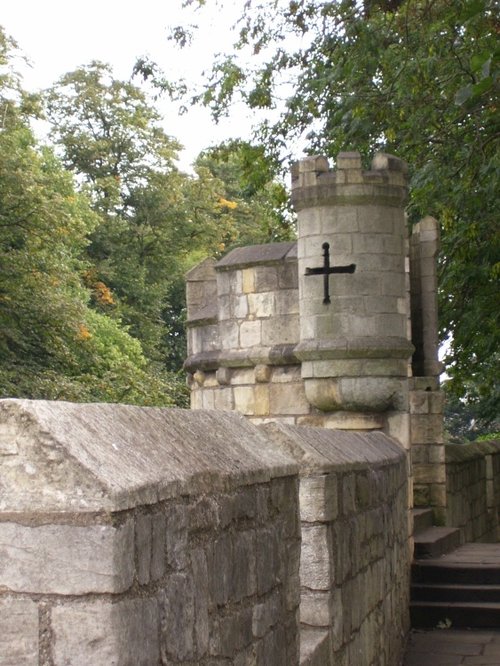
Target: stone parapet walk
x=453 y=647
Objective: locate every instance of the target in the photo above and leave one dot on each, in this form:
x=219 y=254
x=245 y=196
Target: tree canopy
x=97 y=230
x=418 y=78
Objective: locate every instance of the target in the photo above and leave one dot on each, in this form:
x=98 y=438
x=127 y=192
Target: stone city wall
x=150 y=536
x=134 y=536
x=473 y=490
x=355 y=558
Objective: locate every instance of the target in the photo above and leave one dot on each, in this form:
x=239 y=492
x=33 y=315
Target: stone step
x=422 y=519
x=455 y=593
x=453 y=573
x=454 y=614
x=436 y=541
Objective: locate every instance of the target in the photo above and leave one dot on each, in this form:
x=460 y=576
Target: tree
x=52 y=345
x=418 y=78
x=253 y=189
x=154 y=220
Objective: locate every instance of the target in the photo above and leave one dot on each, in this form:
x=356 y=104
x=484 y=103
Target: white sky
x=59 y=35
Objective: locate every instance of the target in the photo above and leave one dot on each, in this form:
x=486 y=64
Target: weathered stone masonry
x=134 y=536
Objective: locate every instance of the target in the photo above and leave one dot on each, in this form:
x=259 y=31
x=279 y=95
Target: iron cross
x=326 y=270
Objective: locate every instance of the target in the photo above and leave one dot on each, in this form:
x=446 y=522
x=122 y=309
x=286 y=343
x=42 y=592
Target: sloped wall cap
x=60 y=456
x=324 y=450
x=250 y=255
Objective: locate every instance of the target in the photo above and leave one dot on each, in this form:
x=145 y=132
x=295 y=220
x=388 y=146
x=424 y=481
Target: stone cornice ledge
x=247 y=358
x=344 y=348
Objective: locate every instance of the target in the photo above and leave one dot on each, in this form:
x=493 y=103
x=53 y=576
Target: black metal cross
x=326 y=270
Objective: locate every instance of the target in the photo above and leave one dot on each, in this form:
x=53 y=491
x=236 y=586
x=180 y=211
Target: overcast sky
x=60 y=35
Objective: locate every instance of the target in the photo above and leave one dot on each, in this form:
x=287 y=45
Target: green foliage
x=464 y=420
x=259 y=201
x=109 y=133
x=154 y=221
x=52 y=345
x=418 y=78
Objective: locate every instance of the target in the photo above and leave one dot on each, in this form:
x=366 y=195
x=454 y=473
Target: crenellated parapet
x=318 y=331
x=354 y=340
x=314 y=183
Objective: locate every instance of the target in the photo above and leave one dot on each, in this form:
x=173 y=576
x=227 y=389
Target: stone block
x=177 y=535
x=348 y=160
x=250 y=334
x=315 y=561
x=438 y=495
x=262 y=373
x=288 y=276
x=220 y=569
x=315 y=609
x=266 y=278
x=426 y=429
x=239 y=307
x=158 y=546
x=287 y=302
x=267 y=559
x=265 y=615
x=244 y=399
x=261 y=305
x=224 y=400
x=430 y=473
x=201 y=601
x=223 y=376
x=229 y=334
x=244 y=579
x=101 y=633
x=419 y=402
x=287 y=374
x=292 y=579
x=150 y=542
x=316 y=649
x=288 y=399
x=248 y=280
x=18 y=632
x=231 y=633
x=178 y=619
x=318 y=498
x=67 y=559
x=143 y=545
x=282 y=329
x=208 y=399
x=196 y=399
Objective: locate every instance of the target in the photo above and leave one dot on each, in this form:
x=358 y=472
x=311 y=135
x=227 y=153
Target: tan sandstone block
x=18 y=632
x=67 y=559
x=315 y=559
x=318 y=498
x=248 y=280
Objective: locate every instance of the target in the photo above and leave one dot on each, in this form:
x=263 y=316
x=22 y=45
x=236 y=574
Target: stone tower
x=318 y=331
x=354 y=344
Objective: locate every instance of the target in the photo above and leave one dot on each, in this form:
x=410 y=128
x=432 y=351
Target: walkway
x=454 y=647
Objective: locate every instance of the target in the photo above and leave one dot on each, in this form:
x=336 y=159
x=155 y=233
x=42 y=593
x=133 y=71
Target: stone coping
x=456 y=453
x=69 y=457
x=256 y=255
x=322 y=450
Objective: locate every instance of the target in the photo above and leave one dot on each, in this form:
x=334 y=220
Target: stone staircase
x=453 y=585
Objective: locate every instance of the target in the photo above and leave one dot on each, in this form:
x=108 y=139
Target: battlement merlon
x=315 y=184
